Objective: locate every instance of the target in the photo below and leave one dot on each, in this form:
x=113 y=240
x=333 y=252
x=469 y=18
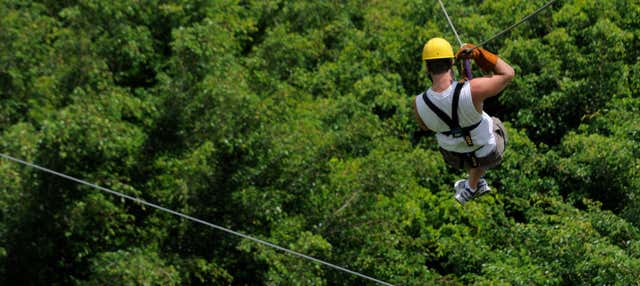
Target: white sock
x=466 y=185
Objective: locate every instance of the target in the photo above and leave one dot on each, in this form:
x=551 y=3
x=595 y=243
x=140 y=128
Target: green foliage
x=131 y=267
x=25 y=62
x=598 y=167
x=286 y=268
x=571 y=71
x=620 y=123
x=525 y=169
x=291 y=121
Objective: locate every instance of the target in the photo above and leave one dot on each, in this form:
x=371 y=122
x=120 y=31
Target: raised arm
x=487 y=86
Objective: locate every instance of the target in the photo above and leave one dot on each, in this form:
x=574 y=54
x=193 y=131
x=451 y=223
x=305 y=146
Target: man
x=467 y=136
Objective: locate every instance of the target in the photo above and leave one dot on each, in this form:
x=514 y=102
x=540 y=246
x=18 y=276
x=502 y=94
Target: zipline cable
x=514 y=25
x=450 y=23
x=32 y=165
x=466 y=62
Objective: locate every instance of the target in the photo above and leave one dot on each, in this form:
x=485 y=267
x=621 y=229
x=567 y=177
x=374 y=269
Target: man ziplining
x=468 y=137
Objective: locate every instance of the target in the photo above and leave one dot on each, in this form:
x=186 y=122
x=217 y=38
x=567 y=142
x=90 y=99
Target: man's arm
x=488 y=86
x=423 y=127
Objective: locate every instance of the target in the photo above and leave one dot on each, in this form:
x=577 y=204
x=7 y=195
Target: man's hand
x=483 y=58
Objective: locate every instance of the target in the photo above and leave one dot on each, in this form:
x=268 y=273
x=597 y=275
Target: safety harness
x=454 y=125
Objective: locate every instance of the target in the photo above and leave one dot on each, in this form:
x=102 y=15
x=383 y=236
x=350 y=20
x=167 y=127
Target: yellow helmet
x=437 y=48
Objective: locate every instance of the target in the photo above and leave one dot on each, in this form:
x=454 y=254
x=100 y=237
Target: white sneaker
x=465 y=194
x=483 y=187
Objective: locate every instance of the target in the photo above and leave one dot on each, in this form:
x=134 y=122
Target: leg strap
x=469 y=157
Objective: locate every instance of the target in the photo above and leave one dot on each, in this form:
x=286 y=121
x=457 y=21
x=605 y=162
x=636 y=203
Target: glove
x=483 y=58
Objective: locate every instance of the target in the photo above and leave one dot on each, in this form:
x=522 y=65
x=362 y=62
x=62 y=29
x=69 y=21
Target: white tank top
x=482 y=136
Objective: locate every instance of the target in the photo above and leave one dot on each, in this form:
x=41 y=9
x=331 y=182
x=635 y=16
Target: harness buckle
x=474 y=161
x=457 y=132
x=467 y=139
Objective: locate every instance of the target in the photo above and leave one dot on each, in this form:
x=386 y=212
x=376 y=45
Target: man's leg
x=468 y=189
x=493 y=159
x=474 y=177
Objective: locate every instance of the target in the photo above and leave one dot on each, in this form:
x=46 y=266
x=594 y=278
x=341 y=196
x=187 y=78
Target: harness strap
x=455 y=129
x=443 y=116
x=454 y=104
x=471 y=158
x=467 y=129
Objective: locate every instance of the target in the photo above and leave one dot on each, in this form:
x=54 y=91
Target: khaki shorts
x=462 y=161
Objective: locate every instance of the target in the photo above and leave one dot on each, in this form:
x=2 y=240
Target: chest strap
x=454 y=125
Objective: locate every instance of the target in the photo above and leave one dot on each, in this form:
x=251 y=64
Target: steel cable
x=269 y=244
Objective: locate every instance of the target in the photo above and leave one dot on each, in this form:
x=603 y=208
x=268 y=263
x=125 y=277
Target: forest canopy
x=291 y=121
